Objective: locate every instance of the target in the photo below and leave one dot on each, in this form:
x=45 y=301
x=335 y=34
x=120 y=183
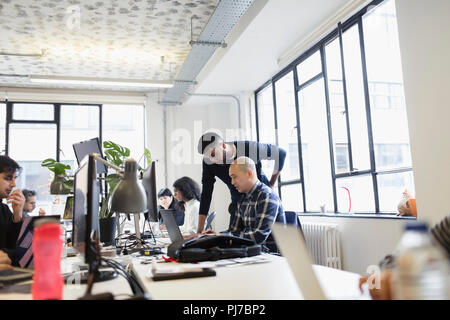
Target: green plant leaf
x=148 y=156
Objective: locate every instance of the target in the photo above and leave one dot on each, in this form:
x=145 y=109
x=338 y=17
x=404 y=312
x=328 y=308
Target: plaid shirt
x=256 y=213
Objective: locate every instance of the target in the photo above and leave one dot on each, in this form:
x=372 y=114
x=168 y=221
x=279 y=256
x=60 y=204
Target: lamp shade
x=129 y=195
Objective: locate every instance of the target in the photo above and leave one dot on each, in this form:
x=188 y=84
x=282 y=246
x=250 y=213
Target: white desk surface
x=272 y=280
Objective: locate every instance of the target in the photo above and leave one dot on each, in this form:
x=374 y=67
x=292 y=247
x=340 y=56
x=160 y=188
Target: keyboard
x=15 y=275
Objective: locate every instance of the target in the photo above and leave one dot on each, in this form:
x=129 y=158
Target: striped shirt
x=441 y=233
x=256 y=213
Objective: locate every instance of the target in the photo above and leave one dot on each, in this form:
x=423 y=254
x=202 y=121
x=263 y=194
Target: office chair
x=209 y=220
x=291 y=219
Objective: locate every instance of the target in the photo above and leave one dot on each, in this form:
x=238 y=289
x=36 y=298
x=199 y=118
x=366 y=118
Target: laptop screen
x=171 y=225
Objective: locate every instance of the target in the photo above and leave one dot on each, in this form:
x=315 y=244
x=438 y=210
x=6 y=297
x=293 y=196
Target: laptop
x=171 y=225
x=292 y=246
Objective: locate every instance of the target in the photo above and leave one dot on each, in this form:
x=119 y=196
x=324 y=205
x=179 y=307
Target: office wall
x=155 y=140
x=185 y=125
x=424 y=32
x=364 y=241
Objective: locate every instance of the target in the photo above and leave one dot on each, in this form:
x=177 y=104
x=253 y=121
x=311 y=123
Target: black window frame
x=356 y=19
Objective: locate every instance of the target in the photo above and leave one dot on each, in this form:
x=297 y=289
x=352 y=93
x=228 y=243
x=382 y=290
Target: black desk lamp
x=129 y=195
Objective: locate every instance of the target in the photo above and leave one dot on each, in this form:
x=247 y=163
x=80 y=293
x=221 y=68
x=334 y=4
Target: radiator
x=323 y=243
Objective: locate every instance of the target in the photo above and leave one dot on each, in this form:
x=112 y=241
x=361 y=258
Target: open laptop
x=292 y=246
x=171 y=225
x=340 y=285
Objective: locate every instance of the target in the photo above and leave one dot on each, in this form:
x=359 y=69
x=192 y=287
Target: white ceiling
x=105 y=39
x=253 y=58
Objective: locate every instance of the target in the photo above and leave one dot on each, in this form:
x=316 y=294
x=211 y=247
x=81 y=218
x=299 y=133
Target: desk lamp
x=129 y=195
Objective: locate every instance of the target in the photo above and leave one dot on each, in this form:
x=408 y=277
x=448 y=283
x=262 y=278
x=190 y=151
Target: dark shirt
x=9 y=231
x=178 y=213
x=251 y=149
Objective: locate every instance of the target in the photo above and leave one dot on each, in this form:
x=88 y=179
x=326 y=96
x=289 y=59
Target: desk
x=272 y=280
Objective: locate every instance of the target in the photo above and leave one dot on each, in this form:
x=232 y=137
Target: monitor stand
x=81 y=277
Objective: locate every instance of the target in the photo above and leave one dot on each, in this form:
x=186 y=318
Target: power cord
x=129 y=276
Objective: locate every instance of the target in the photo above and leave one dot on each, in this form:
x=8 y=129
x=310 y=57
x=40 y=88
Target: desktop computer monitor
x=86 y=229
x=149 y=183
x=84 y=148
x=85 y=209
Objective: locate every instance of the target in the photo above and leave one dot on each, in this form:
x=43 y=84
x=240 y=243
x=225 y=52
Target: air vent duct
x=222 y=21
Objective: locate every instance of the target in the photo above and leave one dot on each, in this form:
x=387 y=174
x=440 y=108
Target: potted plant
x=61 y=186
x=117 y=155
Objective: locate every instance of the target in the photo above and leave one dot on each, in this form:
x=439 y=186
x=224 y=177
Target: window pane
x=391 y=187
x=2 y=127
x=315 y=148
x=355 y=98
x=392 y=155
x=287 y=126
x=292 y=197
x=33 y=112
x=309 y=68
x=388 y=111
x=355 y=194
x=266 y=124
x=78 y=123
x=29 y=144
x=337 y=107
x=125 y=125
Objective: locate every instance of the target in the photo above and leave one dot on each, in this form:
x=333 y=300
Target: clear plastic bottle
x=422 y=269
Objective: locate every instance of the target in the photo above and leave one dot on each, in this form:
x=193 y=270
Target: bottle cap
x=416 y=226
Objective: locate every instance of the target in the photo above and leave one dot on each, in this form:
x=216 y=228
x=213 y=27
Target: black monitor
x=84 y=148
x=149 y=183
x=86 y=230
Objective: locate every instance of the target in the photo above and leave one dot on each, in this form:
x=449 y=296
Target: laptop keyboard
x=7 y=273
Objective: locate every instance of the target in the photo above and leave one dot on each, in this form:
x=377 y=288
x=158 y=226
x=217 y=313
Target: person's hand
x=5 y=262
x=191 y=236
x=17 y=200
x=209 y=232
x=384 y=291
x=41 y=212
x=162 y=227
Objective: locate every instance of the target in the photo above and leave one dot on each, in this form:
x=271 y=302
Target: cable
x=131 y=278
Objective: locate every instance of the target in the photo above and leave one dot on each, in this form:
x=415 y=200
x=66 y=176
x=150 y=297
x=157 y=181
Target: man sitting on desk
x=259 y=206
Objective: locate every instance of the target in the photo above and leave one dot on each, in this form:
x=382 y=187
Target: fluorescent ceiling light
x=101 y=81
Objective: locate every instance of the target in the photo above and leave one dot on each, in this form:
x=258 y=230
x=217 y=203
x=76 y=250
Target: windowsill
x=355 y=215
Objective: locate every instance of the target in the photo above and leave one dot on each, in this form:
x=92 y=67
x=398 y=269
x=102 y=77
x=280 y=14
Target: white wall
x=424 y=33
x=364 y=241
x=185 y=125
x=155 y=136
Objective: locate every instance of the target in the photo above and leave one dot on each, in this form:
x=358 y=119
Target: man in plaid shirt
x=258 y=208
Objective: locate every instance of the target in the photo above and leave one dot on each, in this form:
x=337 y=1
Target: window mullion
x=330 y=135
x=368 y=115
x=299 y=138
x=344 y=87
x=57 y=109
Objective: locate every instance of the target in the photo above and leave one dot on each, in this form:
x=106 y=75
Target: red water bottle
x=47 y=249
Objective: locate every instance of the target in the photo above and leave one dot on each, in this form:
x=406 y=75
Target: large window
x=339 y=111
x=32 y=132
